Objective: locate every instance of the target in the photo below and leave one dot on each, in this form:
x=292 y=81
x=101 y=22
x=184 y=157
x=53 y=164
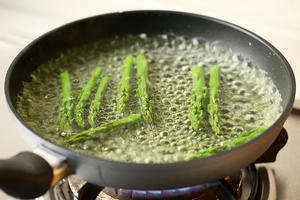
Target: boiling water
x=248 y=98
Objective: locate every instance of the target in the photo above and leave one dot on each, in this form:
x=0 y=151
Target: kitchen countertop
x=276 y=21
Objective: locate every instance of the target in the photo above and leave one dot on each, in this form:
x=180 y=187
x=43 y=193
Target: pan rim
x=282 y=117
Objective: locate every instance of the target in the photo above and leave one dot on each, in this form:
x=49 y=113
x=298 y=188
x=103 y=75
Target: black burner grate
x=228 y=188
x=248 y=184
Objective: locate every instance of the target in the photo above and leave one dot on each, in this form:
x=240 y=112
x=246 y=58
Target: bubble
x=143 y=35
x=182 y=148
x=163 y=134
x=139 y=132
x=63 y=134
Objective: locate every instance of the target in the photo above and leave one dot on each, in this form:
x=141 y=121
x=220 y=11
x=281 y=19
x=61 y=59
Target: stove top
x=250 y=183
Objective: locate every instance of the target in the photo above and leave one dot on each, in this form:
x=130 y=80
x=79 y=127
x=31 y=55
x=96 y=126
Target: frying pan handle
x=28 y=175
x=271 y=154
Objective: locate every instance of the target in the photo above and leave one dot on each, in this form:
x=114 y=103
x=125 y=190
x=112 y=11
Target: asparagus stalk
x=243 y=138
x=124 y=86
x=88 y=134
x=143 y=92
x=96 y=103
x=213 y=106
x=199 y=95
x=66 y=102
x=84 y=96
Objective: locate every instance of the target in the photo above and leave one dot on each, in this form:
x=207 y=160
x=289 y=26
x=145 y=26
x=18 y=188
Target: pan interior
x=249 y=98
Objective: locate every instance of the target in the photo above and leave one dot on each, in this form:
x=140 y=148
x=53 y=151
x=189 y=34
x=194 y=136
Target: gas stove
x=250 y=183
x=254 y=182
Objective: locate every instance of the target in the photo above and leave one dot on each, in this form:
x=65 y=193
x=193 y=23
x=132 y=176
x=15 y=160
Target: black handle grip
x=25 y=175
x=271 y=154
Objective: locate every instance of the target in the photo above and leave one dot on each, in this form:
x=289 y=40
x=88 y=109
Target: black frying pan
x=28 y=181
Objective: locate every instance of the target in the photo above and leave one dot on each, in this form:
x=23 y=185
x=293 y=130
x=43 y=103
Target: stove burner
x=180 y=193
x=230 y=187
x=248 y=184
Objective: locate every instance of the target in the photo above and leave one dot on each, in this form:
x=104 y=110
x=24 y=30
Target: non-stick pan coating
x=155 y=176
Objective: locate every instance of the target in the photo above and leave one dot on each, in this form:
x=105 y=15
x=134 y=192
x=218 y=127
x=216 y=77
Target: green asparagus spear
x=84 y=96
x=243 y=138
x=96 y=103
x=143 y=88
x=66 y=102
x=88 y=134
x=213 y=106
x=124 y=86
x=199 y=95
